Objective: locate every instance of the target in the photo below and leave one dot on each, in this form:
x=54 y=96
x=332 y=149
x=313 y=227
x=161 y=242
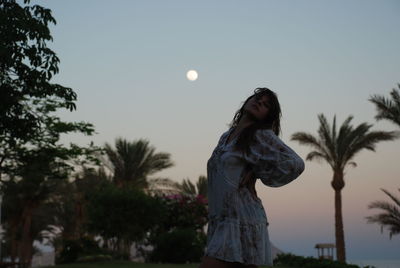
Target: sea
x=377 y=263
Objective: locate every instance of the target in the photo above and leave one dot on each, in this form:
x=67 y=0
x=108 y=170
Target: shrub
x=94 y=258
x=179 y=246
x=124 y=213
x=72 y=250
x=310 y=262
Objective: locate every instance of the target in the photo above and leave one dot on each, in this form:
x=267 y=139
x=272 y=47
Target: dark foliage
x=179 y=246
x=311 y=262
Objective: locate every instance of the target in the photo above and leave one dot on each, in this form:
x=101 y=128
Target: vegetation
x=125 y=264
x=26 y=93
x=183 y=226
x=388 y=109
x=33 y=161
x=389 y=216
x=291 y=260
x=338 y=149
x=188 y=188
x=188 y=246
x=92 y=208
x=132 y=162
x=122 y=216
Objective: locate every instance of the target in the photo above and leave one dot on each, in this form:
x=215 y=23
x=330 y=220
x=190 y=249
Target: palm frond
x=365 y=140
x=310 y=140
x=202 y=186
x=395 y=199
x=132 y=162
x=324 y=132
x=163 y=186
x=388 y=109
x=390 y=215
x=315 y=155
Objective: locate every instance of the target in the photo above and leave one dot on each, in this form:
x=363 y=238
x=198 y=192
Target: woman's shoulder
x=224 y=134
x=264 y=134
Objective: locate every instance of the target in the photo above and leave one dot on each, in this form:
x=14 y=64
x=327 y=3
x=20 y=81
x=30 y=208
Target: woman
x=237 y=233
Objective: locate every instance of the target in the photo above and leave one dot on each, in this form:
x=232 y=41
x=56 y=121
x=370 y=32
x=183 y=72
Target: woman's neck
x=244 y=122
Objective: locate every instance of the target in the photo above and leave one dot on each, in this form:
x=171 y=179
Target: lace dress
x=238 y=227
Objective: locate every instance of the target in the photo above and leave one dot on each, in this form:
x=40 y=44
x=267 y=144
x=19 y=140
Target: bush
x=123 y=213
x=94 y=258
x=179 y=246
x=310 y=262
x=179 y=212
x=72 y=250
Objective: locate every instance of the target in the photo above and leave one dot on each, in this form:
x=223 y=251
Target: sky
x=127 y=61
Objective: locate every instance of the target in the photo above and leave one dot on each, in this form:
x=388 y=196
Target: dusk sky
x=127 y=61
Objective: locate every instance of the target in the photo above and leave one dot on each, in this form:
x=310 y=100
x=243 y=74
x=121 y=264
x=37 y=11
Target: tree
x=69 y=214
x=122 y=215
x=390 y=215
x=41 y=219
x=388 y=109
x=32 y=159
x=132 y=162
x=182 y=225
x=188 y=188
x=26 y=67
x=41 y=169
x=338 y=149
x=70 y=202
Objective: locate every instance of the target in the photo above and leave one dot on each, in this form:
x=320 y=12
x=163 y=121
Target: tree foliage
x=338 y=148
x=122 y=214
x=27 y=95
x=388 y=108
x=389 y=216
x=132 y=162
x=26 y=67
x=32 y=158
x=187 y=187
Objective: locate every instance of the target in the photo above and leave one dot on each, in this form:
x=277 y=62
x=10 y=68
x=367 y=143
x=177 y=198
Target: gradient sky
x=127 y=60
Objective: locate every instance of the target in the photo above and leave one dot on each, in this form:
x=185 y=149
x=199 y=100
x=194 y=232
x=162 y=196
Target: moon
x=192 y=75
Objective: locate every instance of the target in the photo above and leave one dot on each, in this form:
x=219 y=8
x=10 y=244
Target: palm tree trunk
x=339 y=231
x=338 y=185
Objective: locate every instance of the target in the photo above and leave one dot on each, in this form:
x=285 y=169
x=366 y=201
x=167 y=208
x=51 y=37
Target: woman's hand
x=249 y=181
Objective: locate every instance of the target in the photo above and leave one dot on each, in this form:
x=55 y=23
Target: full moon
x=192 y=75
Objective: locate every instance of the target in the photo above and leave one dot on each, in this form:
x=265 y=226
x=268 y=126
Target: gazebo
x=322 y=247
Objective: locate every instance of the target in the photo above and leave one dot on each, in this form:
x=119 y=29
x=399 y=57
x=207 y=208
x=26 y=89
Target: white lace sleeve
x=272 y=161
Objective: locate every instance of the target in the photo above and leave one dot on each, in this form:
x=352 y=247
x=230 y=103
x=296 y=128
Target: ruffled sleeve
x=272 y=161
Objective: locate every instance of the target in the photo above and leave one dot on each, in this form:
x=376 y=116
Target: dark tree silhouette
x=389 y=216
x=338 y=149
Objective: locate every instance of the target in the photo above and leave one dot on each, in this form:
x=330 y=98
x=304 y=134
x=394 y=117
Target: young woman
x=237 y=233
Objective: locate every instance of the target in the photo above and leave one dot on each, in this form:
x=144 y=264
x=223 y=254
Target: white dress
x=238 y=227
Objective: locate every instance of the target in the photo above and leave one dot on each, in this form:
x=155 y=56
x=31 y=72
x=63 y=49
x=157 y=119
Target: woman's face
x=258 y=107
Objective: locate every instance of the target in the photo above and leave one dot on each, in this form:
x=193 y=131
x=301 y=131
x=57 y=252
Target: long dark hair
x=272 y=121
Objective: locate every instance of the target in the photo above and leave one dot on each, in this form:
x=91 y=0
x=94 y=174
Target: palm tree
x=390 y=216
x=388 y=109
x=338 y=149
x=162 y=186
x=187 y=187
x=132 y=162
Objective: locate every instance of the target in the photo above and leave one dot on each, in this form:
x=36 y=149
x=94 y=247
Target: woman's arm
x=271 y=160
